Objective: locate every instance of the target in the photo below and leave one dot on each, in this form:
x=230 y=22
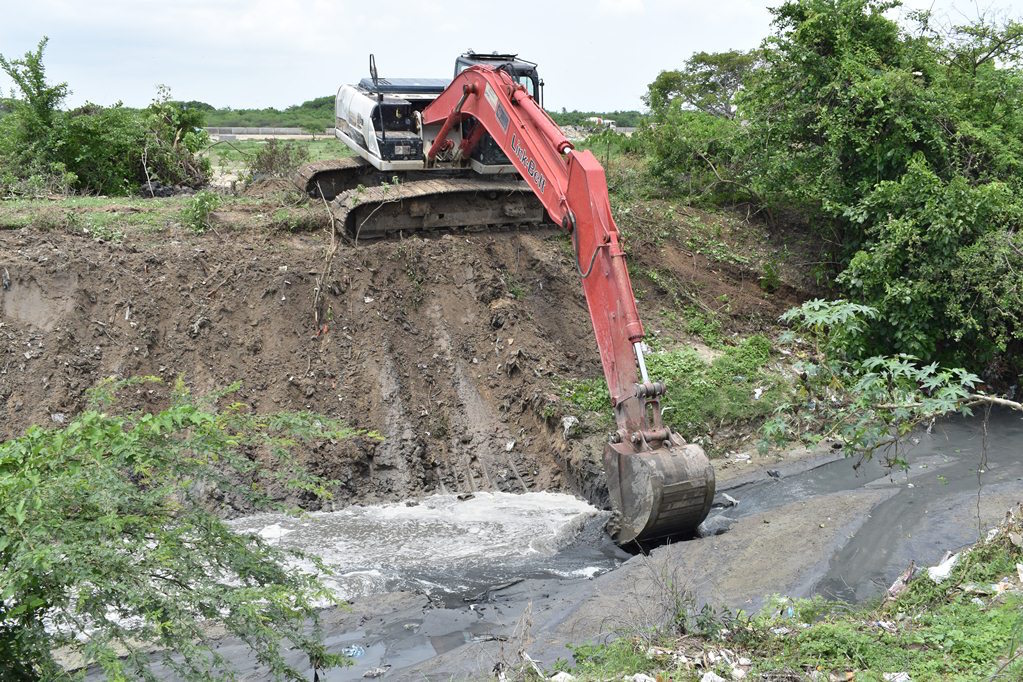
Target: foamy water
x=442 y=545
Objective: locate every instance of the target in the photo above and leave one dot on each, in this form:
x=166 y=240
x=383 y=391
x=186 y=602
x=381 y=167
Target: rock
x=376 y=672
x=711 y=677
x=940 y=572
x=716 y=525
x=561 y=677
x=569 y=426
x=774 y=473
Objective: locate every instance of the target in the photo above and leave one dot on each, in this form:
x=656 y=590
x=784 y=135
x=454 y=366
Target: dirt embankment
x=450 y=347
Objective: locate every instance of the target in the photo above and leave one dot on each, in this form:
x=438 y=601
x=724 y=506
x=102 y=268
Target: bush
x=197 y=213
x=901 y=148
x=276 y=159
x=93 y=149
x=108 y=549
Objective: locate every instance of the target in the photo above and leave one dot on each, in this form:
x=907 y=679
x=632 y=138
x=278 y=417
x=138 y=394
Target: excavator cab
x=522 y=71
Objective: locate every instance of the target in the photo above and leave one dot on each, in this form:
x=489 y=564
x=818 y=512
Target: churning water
x=448 y=548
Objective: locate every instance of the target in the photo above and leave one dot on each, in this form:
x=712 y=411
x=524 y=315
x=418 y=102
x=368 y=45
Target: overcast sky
x=594 y=55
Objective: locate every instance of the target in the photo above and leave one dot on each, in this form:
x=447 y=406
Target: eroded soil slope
x=450 y=347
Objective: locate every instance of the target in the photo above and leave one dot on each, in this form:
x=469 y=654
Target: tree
x=899 y=146
x=709 y=82
x=107 y=150
x=109 y=547
x=40 y=100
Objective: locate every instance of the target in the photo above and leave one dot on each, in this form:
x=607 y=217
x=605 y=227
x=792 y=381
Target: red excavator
x=479 y=151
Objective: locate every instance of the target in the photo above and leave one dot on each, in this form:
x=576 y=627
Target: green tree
x=899 y=146
x=109 y=547
x=709 y=82
x=40 y=100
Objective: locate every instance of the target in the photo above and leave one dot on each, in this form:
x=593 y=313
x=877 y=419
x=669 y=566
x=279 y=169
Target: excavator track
x=439 y=204
x=333 y=176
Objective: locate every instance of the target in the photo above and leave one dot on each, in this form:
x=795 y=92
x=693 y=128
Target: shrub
x=108 y=549
x=901 y=148
x=198 y=211
x=277 y=159
x=94 y=149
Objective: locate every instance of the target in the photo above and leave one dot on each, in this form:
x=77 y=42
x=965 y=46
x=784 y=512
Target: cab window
x=527 y=82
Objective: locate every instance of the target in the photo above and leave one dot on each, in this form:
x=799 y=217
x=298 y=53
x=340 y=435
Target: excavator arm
x=659 y=485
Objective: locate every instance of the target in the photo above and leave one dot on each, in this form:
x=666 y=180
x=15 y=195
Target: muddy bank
x=451 y=348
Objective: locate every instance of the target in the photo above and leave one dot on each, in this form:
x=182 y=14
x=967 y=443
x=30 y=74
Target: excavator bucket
x=658 y=493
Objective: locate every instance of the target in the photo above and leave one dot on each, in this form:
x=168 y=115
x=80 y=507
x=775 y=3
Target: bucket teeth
x=658 y=493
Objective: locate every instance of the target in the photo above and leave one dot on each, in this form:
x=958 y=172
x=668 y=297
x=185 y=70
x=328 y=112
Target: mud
x=451 y=348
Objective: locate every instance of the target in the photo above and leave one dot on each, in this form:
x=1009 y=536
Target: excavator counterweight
x=521 y=168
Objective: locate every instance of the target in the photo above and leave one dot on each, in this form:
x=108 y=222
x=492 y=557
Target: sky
x=596 y=55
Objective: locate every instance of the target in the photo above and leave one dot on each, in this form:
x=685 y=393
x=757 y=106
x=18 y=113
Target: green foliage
x=315 y=115
x=99 y=145
x=709 y=82
x=922 y=230
x=622 y=119
x=109 y=547
x=734 y=388
x=277 y=159
x=93 y=149
x=612 y=660
x=35 y=111
x=870 y=404
x=902 y=147
x=197 y=213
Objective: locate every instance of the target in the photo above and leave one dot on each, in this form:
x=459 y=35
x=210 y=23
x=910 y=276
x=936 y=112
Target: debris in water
x=725 y=502
x=353 y=651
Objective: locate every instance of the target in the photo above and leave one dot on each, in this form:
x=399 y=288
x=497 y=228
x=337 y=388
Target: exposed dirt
x=449 y=347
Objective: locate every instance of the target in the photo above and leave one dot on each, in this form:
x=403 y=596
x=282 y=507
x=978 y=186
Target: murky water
x=453 y=550
x=930 y=509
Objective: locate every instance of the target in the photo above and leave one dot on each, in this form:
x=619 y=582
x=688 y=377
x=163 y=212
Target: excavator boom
x=659 y=485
